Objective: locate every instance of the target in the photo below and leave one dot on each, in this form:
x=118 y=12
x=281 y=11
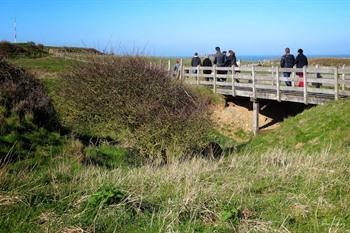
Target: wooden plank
x=198 y=74
x=336 y=87
x=291 y=70
x=256 y=108
x=321 y=80
x=222 y=75
x=182 y=71
x=305 y=85
x=233 y=81
x=223 y=68
x=214 y=79
x=206 y=68
x=278 y=94
x=244 y=85
x=253 y=82
x=321 y=70
x=343 y=79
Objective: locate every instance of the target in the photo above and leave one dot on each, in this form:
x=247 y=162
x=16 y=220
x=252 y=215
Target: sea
x=277 y=57
x=261 y=58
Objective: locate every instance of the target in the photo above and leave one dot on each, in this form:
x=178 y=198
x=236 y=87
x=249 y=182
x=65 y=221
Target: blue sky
x=180 y=28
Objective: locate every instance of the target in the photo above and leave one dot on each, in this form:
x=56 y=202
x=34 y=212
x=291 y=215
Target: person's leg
x=287 y=75
x=301 y=80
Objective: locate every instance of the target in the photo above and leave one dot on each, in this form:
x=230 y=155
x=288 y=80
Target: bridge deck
x=322 y=83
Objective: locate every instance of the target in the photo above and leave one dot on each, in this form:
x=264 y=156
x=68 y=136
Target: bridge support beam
x=255 y=116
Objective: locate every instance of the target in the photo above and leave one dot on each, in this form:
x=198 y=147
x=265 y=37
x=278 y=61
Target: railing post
x=233 y=81
x=169 y=66
x=305 y=85
x=278 y=84
x=272 y=73
x=182 y=70
x=293 y=78
x=253 y=82
x=214 y=79
x=255 y=116
x=336 y=87
x=198 y=70
x=343 y=79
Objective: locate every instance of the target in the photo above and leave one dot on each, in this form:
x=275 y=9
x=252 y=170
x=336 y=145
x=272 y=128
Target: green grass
x=291 y=179
x=267 y=192
x=319 y=128
x=44 y=64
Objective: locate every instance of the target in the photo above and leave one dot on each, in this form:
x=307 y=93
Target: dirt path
x=236 y=121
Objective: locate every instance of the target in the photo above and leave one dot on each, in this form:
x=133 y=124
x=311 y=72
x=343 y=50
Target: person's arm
x=215 y=60
x=282 y=61
x=307 y=62
x=192 y=62
x=293 y=60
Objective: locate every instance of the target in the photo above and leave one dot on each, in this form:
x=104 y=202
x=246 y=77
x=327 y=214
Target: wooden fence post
x=272 y=73
x=336 y=87
x=278 y=84
x=233 y=81
x=305 y=85
x=343 y=79
x=253 y=82
x=255 y=124
x=293 y=78
x=214 y=79
x=169 y=66
x=182 y=70
x=198 y=70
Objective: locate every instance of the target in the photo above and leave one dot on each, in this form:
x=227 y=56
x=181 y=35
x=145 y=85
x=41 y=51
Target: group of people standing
x=221 y=59
x=289 y=61
x=228 y=59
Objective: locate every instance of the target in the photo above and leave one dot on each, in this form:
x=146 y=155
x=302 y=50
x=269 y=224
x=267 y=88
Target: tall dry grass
x=271 y=192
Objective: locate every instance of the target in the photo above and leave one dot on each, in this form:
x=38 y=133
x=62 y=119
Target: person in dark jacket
x=231 y=60
x=207 y=63
x=300 y=62
x=219 y=59
x=287 y=61
x=196 y=61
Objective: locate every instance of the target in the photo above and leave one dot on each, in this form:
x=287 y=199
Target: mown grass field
x=291 y=179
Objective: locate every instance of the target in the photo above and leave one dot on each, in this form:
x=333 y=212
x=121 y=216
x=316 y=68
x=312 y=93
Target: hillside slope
x=325 y=127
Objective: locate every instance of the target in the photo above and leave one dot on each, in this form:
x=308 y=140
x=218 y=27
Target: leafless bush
x=142 y=105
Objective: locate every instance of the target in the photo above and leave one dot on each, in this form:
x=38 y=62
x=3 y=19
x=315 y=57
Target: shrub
x=30 y=49
x=21 y=93
x=26 y=116
x=139 y=105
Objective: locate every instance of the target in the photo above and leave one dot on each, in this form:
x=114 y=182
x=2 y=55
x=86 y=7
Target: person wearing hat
x=196 y=61
x=300 y=62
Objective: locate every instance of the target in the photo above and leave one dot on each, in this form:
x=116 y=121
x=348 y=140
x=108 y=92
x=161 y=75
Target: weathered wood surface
x=268 y=82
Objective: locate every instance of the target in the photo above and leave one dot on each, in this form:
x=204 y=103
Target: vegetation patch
x=17 y=50
x=27 y=117
x=140 y=106
x=316 y=129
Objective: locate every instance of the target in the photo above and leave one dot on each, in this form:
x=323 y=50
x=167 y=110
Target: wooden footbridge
x=319 y=84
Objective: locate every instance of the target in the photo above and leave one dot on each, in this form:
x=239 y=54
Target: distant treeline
x=16 y=50
x=33 y=50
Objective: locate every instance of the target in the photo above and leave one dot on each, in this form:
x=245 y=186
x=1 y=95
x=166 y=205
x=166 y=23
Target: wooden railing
x=320 y=83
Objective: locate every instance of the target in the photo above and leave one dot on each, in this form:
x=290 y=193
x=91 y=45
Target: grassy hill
x=325 y=127
x=291 y=179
